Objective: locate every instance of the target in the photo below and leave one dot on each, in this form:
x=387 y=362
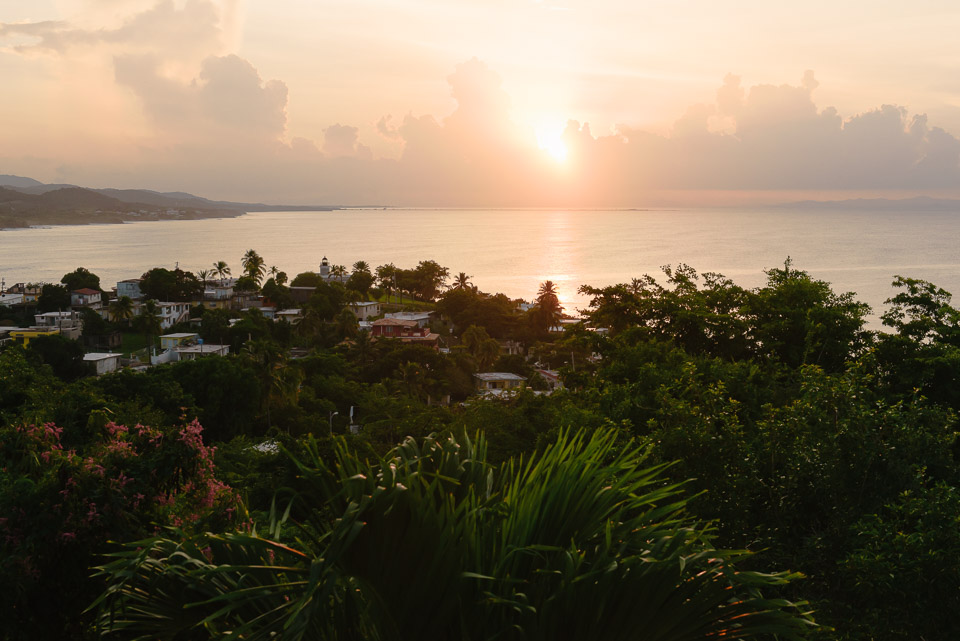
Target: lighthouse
x=324 y=268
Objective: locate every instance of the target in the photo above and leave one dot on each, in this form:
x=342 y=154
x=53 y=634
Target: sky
x=485 y=102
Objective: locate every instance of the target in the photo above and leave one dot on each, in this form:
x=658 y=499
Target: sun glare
x=550 y=139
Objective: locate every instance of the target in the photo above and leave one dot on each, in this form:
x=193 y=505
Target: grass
x=131 y=342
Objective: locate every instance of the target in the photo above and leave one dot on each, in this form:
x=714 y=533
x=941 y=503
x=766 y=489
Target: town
x=167 y=316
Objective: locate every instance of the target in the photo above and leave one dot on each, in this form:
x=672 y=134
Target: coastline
x=78 y=218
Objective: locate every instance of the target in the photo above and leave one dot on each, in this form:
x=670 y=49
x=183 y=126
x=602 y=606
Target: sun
x=550 y=139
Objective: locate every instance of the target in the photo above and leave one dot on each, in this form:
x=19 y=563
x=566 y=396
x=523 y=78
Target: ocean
x=513 y=251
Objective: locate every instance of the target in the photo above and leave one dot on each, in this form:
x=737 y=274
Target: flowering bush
x=60 y=508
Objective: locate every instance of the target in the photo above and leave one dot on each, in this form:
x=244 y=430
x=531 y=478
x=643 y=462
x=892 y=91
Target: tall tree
x=170 y=285
x=221 y=269
x=81 y=278
x=121 y=309
x=149 y=322
x=53 y=298
x=462 y=281
x=254 y=266
x=549 y=310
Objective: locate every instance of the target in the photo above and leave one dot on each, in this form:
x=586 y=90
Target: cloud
x=227 y=101
x=340 y=141
x=179 y=33
x=220 y=129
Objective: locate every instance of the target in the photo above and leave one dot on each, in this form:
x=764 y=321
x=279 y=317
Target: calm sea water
x=513 y=251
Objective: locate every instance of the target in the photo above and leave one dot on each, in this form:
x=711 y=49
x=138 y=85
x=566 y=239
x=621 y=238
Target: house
x=422 y=318
x=129 y=288
x=61 y=320
x=552 y=377
x=511 y=347
x=170 y=313
x=85 y=297
x=23 y=336
x=498 y=382
x=216 y=296
x=5 y=333
x=292 y=316
x=270 y=313
x=105 y=362
x=365 y=310
x=201 y=349
x=169 y=341
x=407 y=331
x=564 y=324
x=9 y=300
x=301 y=294
x=67 y=324
x=186 y=346
x=30 y=292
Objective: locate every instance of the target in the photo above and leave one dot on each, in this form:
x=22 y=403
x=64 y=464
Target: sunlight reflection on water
x=513 y=251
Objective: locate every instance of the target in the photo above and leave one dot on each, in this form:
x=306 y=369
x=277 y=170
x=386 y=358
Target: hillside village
x=173 y=313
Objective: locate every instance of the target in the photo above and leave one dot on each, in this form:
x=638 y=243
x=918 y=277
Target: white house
x=130 y=288
x=365 y=310
x=498 y=381
x=104 y=362
x=186 y=346
x=11 y=299
x=85 y=297
x=170 y=313
x=69 y=323
x=292 y=316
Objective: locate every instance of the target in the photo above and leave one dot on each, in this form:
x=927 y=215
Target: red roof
x=86 y=291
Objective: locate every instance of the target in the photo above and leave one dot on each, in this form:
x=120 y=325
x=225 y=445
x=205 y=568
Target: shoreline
x=75 y=219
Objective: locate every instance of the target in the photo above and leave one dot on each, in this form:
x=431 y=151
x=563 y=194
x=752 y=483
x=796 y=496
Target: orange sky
x=484 y=103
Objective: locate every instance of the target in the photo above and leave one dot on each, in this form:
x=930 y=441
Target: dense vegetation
x=707 y=418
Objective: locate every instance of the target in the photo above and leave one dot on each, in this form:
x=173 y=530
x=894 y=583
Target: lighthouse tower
x=324 y=268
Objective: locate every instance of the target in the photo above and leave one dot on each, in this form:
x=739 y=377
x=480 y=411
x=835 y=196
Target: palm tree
x=361 y=266
x=550 y=311
x=346 y=324
x=362 y=348
x=121 y=309
x=462 y=281
x=202 y=275
x=273 y=271
x=412 y=378
x=221 y=269
x=487 y=352
x=277 y=380
x=253 y=265
x=338 y=271
x=581 y=541
x=150 y=322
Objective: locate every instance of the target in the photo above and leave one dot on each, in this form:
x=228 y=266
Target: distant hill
x=918 y=203
x=173 y=200
x=6 y=180
x=78 y=206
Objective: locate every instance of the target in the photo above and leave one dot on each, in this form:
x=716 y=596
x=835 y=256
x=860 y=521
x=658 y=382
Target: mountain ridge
x=174 y=199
